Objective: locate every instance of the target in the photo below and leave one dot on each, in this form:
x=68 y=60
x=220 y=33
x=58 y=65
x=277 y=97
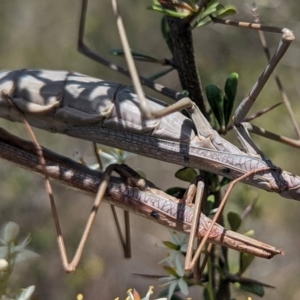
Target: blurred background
x=43 y=34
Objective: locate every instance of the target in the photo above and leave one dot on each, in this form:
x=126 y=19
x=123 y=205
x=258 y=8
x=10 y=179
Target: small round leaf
x=176 y=192
x=215 y=98
x=253 y=288
x=245 y=261
x=171 y=245
x=11 y=232
x=234 y=220
x=186 y=174
x=3 y=265
x=230 y=94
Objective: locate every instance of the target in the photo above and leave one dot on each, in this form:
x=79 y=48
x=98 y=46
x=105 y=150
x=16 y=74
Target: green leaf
x=215 y=9
x=253 y=288
x=186 y=174
x=191 y=3
x=160 y=74
x=212 y=7
x=26 y=255
x=170 y=12
x=176 y=192
x=249 y=233
x=213 y=182
x=165 y=292
x=215 y=98
x=11 y=232
x=224 y=181
x=171 y=271
x=230 y=92
x=171 y=245
x=226 y=11
x=185 y=93
x=27 y=293
x=136 y=55
x=183 y=286
x=202 y=17
x=245 y=261
x=176 y=297
x=165 y=29
x=234 y=220
x=209 y=204
x=206 y=295
x=202 y=22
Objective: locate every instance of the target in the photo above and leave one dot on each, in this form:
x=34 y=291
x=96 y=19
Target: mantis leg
x=284 y=96
x=85 y=50
x=192 y=262
x=250 y=98
x=194 y=226
x=286 y=40
x=126 y=244
x=145 y=198
x=205 y=130
x=182 y=102
x=202 y=125
x=71 y=267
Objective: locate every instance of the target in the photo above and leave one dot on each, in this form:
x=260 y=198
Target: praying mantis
x=216 y=155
